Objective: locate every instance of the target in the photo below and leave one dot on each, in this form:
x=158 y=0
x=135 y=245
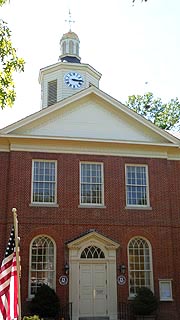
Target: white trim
x=46 y=205
x=32 y=171
x=109 y=248
x=151 y=264
x=30 y=296
x=87 y=139
x=55 y=67
x=91 y=205
x=147 y=186
x=95 y=150
x=165 y=296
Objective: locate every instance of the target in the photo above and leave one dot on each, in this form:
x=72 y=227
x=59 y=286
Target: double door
x=93 y=290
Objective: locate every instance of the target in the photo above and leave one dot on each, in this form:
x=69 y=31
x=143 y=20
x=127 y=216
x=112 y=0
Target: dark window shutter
x=52 y=92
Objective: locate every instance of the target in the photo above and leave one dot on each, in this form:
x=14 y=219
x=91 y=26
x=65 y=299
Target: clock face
x=73 y=80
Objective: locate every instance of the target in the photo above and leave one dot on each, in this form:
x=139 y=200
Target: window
x=42 y=264
x=91 y=184
x=137 y=191
x=64 y=48
x=165 y=290
x=71 y=47
x=52 y=92
x=92 y=252
x=140 y=265
x=44 y=182
x=77 y=49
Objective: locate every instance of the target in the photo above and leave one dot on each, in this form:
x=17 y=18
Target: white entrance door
x=92 y=290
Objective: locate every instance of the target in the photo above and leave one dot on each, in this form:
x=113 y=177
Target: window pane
x=140 y=272
x=44 y=180
x=91 y=183
x=42 y=268
x=136 y=185
x=92 y=252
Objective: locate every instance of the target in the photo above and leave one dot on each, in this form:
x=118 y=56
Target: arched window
x=71 y=47
x=77 y=49
x=42 y=264
x=140 y=265
x=64 y=47
x=92 y=252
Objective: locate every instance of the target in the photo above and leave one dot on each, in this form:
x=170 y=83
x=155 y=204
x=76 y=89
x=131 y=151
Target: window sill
x=166 y=300
x=131 y=298
x=90 y=206
x=138 y=208
x=42 y=205
x=28 y=299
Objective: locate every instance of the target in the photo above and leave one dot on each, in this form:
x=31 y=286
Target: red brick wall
x=4 y=165
x=160 y=225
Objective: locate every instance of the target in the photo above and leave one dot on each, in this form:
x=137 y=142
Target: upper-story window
x=91 y=184
x=44 y=182
x=140 y=265
x=137 y=188
x=42 y=264
x=52 y=92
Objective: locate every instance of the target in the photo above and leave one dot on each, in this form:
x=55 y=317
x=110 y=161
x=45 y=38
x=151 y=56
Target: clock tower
x=68 y=76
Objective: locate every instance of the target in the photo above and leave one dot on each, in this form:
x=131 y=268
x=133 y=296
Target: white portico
x=92 y=277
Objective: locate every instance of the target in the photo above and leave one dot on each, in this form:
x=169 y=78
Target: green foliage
x=2 y=2
x=9 y=63
x=45 y=303
x=164 y=115
x=31 y=318
x=145 y=302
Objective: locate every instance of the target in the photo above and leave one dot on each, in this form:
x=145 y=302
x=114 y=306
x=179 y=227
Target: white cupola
x=69 y=46
x=68 y=76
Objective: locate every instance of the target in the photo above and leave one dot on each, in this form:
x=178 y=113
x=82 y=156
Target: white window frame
x=32 y=181
x=165 y=294
x=147 y=205
x=131 y=295
x=102 y=185
x=30 y=295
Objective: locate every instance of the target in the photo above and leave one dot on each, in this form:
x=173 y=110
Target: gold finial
x=70 y=21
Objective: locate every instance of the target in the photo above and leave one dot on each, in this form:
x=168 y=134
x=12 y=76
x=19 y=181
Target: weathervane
x=70 y=21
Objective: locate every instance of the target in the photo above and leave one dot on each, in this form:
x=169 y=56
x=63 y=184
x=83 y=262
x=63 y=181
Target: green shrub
x=145 y=302
x=45 y=303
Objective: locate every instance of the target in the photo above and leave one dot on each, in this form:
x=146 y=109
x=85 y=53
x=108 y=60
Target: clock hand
x=78 y=80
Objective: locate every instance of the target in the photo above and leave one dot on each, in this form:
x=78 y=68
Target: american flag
x=9 y=282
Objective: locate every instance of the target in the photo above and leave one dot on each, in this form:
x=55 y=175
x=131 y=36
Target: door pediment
x=93 y=238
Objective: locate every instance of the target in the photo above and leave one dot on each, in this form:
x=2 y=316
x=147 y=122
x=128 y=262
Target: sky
x=136 y=47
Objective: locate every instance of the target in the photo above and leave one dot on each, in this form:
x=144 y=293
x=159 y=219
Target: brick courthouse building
x=97 y=192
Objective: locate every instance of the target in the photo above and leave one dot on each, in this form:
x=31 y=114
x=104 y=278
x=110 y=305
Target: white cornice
x=80 y=139
x=105 y=148
x=68 y=65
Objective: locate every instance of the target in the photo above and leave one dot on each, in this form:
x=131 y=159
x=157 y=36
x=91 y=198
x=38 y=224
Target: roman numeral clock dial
x=73 y=80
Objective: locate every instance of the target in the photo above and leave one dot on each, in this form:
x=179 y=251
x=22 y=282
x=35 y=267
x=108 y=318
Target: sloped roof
x=90 y=114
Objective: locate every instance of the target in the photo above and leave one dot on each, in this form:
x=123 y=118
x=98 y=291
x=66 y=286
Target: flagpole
x=14 y=210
